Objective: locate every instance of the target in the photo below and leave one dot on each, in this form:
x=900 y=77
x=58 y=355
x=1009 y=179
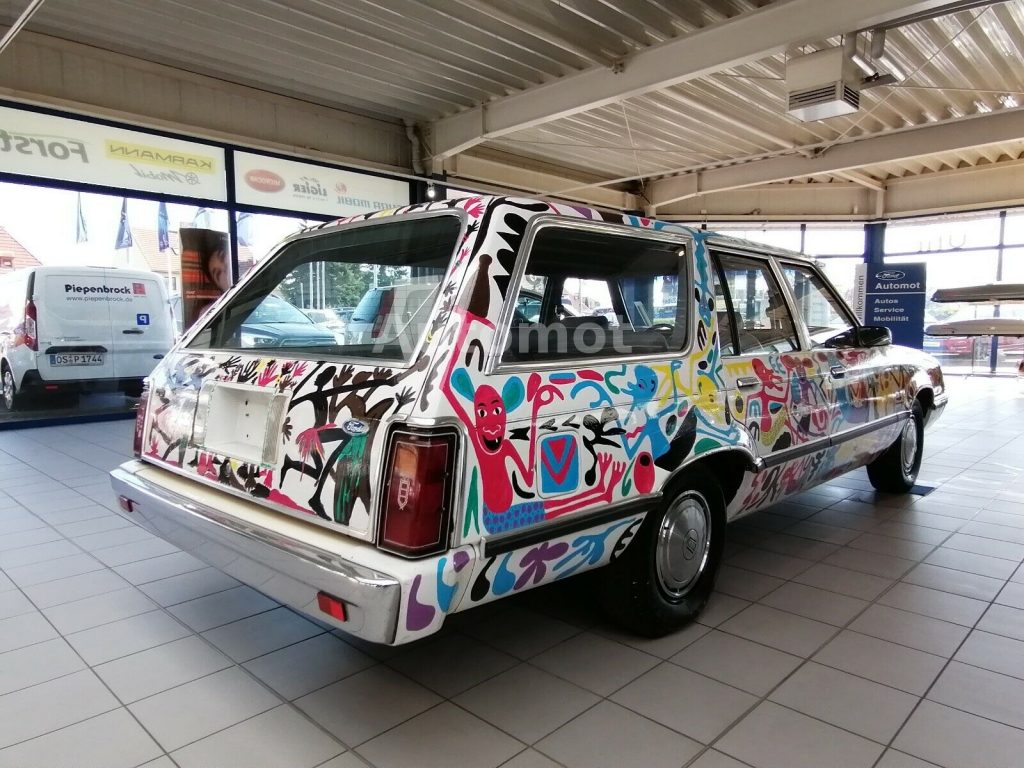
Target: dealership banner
x=64 y=149
x=306 y=188
x=893 y=296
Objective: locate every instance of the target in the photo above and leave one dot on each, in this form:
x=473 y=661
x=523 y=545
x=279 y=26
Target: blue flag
x=81 y=233
x=163 y=236
x=245 y=229
x=201 y=219
x=124 y=232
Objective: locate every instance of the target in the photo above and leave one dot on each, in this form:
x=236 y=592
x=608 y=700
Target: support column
x=874 y=242
x=993 y=356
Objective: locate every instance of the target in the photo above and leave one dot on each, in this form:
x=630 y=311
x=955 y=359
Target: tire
x=134 y=389
x=895 y=471
x=655 y=587
x=11 y=398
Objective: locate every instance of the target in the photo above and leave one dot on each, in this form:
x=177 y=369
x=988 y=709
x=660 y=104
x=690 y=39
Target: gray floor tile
x=993 y=652
x=222 y=608
x=981 y=692
x=775 y=737
x=188 y=586
x=279 y=737
x=98 y=524
x=11 y=540
x=873 y=563
x=779 y=629
x=39 y=573
x=882 y=661
x=75 y=515
x=151 y=671
x=866 y=708
x=771 y=563
x=134 y=551
x=610 y=736
x=263 y=633
x=595 y=663
x=99 y=609
x=530 y=758
x=72 y=588
x=456 y=738
x=192 y=711
x=955 y=739
x=814 y=603
x=844 y=581
x=30 y=712
x=14 y=603
x=895 y=759
x=311 y=664
x=521 y=632
x=720 y=607
x=23 y=630
x=813 y=528
x=13 y=559
x=664 y=647
x=956 y=582
x=993 y=567
x=127 y=636
x=526 y=702
x=890 y=545
x=111 y=740
x=986 y=546
x=37 y=663
x=162 y=567
x=741 y=663
x=1012 y=594
x=1003 y=620
x=366 y=704
x=744 y=584
x=934 y=603
x=451 y=663
x=911 y=629
x=684 y=701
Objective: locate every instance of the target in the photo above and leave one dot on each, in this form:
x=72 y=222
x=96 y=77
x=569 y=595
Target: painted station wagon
x=459 y=450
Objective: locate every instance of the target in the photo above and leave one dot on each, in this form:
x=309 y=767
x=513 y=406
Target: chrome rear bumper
x=282 y=567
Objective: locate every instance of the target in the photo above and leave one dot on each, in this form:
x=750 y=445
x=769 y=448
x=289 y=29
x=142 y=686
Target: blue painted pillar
x=874 y=242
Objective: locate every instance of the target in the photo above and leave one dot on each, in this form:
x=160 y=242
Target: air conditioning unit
x=822 y=85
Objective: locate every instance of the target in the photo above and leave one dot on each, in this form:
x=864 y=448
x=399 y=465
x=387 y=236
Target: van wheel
x=895 y=471
x=12 y=400
x=666 y=576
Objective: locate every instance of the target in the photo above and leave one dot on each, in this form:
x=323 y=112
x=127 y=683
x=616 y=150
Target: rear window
x=390 y=271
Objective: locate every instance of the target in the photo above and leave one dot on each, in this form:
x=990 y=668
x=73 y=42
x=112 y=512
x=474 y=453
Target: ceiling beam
x=997 y=127
x=863 y=179
x=747 y=37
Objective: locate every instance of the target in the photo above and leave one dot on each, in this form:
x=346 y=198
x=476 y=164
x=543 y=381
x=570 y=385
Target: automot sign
x=61 y=148
x=893 y=296
x=306 y=188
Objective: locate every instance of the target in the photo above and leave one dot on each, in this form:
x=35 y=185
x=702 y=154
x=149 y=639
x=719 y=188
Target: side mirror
x=865 y=336
x=875 y=336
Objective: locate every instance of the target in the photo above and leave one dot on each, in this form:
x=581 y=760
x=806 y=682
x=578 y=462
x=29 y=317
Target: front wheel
x=666 y=575
x=896 y=470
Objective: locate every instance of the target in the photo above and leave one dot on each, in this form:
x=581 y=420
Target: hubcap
x=909 y=446
x=8 y=389
x=683 y=544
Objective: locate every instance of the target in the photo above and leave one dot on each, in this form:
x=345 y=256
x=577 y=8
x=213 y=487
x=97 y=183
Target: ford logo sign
x=356 y=427
x=891 y=274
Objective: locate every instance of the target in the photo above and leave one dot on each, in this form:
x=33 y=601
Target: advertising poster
x=894 y=296
x=60 y=148
x=275 y=183
x=205 y=270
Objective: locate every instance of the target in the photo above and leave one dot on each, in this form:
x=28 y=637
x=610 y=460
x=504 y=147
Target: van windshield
x=390 y=271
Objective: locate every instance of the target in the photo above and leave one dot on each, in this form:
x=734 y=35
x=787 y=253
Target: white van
x=74 y=329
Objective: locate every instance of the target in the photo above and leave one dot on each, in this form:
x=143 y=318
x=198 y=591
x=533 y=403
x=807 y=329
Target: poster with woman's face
x=205 y=270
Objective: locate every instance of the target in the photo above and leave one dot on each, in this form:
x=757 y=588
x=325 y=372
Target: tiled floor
x=847 y=630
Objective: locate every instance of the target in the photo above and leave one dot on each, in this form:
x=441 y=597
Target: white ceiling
x=429 y=60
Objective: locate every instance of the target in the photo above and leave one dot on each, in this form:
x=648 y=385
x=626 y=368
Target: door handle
x=837 y=371
x=747 y=382
x=136 y=331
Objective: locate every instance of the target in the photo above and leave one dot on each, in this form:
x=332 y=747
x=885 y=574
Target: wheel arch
x=729 y=467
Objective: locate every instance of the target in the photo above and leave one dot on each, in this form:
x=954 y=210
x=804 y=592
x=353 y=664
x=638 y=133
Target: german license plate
x=76 y=358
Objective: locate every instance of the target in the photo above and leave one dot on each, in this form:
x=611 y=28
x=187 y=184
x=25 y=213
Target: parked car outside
x=328 y=318
x=386 y=483
x=66 y=330
x=276 y=323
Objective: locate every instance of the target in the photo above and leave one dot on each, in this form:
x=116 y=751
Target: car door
x=776 y=388
x=73 y=322
x=140 y=323
x=866 y=393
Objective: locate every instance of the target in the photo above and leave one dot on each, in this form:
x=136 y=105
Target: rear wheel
x=896 y=470
x=666 y=575
x=12 y=400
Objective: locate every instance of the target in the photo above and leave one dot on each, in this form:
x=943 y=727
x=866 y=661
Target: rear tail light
x=418 y=489
x=31 y=336
x=387 y=301
x=140 y=419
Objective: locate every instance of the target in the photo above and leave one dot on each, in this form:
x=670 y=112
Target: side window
x=727 y=323
x=760 y=320
x=591 y=294
x=816 y=304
